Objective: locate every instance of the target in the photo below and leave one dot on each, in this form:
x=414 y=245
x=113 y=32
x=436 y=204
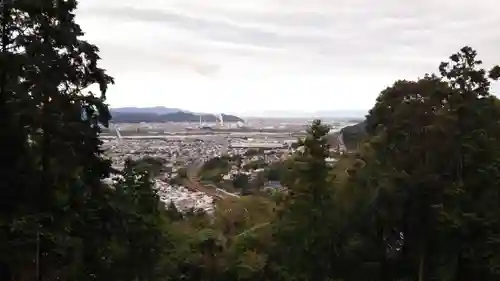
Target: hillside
x=353 y=135
x=154 y=110
x=155 y=116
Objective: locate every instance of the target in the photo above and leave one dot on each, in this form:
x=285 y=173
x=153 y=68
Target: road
x=253 y=228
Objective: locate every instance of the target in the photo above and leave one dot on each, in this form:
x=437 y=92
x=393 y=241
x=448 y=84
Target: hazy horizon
x=272 y=113
x=267 y=55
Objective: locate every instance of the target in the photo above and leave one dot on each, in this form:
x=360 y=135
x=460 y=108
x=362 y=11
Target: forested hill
x=180 y=116
x=353 y=135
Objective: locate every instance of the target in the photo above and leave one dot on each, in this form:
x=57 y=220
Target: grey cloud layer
x=391 y=33
x=216 y=30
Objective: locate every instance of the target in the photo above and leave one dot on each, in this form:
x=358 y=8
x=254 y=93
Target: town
x=183 y=155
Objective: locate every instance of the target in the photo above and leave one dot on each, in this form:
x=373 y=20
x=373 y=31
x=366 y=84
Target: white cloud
x=244 y=56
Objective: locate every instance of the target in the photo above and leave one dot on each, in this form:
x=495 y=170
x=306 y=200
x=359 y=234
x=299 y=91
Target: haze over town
x=253 y=57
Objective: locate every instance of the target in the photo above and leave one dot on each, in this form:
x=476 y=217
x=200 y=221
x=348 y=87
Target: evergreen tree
x=54 y=127
x=304 y=247
x=140 y=240
x=435 y=142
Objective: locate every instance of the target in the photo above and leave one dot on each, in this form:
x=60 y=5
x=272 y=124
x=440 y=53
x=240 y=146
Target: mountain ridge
x=152 y=109
x=160 y=114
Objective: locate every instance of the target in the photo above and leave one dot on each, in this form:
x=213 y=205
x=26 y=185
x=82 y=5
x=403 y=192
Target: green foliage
x=215 y=168
x=276 y=171
x=305 y=219
x=52 y=189
x=254 y=152
x=152 y=165
x=255 y=165
x=241 y=181
x=295 y=145
x=140 y=239
x=256 y=183
x=58 y=221
x=419 y=201
x=353 y=135
x=433 y=141
x=182 y=173
x=216 y=163
x=173 y=212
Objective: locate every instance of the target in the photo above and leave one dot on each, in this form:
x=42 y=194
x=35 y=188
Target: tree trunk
x=458 y=265
x=383 y=274
x=5 y=271
x=422 y=266
x=421 y=270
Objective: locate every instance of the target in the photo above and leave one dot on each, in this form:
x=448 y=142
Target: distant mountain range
x=161 y=114
x=155 y=110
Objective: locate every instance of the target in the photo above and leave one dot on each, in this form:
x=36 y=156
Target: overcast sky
x=294 y=55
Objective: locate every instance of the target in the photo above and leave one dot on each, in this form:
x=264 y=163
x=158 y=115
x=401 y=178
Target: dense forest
x=419 y=200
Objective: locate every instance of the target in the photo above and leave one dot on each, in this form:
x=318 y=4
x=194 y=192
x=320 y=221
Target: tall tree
x=139 y=239
x=54 y=123
x=471 y=209
x=304 y=248
x=433 y=140
x=17 y=176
